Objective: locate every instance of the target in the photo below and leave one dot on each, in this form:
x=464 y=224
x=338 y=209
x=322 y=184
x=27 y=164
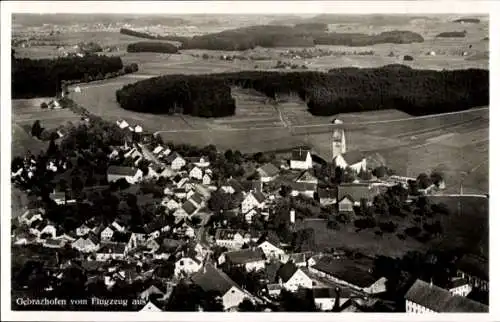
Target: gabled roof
x=306 y=176
x=197 y=197
x=245 y=256
x=440 y=300
x=210 y=278
x=259 y=196
x=113 y=248
x=328 y=292
x=235 y=185
x=357 y=191
x=268 y=170
x=271 y=237
x=172 y=156
x=122 y=171
x=303 y=186
x=300 y=154
x=188 y=207
x=286 y=271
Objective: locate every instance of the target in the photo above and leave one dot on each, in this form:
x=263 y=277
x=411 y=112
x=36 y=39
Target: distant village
x=209 y=231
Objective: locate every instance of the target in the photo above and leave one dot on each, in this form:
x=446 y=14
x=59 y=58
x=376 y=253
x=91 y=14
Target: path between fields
x=325 y=124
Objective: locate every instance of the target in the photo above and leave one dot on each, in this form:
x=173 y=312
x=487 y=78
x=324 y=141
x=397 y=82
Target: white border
x=239 y=7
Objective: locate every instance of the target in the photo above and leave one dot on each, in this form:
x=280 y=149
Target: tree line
x=341 y=90
x=43 y=77
x=152 y=47
x=269 y=36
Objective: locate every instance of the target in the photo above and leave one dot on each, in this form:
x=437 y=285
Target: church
x=340 y=157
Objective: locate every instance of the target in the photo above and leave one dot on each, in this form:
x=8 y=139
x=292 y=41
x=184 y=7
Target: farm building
x=425 y=297
x=250 y=259
x=301 y=159
x=475 y=270
x=131 y=175
x=268 y=172
x=353 y=160
x=122 y=124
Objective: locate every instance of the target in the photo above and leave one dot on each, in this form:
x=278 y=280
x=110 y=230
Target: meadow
x=465 y=227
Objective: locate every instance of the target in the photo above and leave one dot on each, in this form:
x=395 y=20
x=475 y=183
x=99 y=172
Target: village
x=186 y=223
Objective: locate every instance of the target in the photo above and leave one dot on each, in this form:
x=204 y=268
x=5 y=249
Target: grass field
x=467 y=228
x=24 y=113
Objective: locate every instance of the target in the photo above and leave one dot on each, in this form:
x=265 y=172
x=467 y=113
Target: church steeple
x=338 y=139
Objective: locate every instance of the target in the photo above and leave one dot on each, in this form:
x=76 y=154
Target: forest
x=341 y=90
x=43 y=77
x=452 y=34
x=270 y=36
x=152 y=47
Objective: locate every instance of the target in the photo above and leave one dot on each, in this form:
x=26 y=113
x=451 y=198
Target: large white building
x=301 y=159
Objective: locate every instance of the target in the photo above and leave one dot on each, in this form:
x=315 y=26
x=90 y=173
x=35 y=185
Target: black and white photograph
x=332 y=161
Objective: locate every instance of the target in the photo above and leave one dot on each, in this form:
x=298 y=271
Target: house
x=111 y=251
x=459 y=286
x=233 y=239
x=425 y=297
x=269 y=243
x=202 y=162
x=82 y=230
x=303 y=188
x=107 y=233
x=136 y=129
x=207 y=179
x=232 y=186
x=346 y=204
x=299 y=259
x=180 y=193
x=357 y=192
x=133 y=154
x=353 y=160
x=327 y=196
x=327 y=298
x=253 y=200
x=86 y=245
x=196 y=173
x=301 y=159
x=250 y=259
x=182 y=182
x=167 y=248
x=187 y=210
x=131 y=175
x=171 y=204
x=268 y=172
x=158 y=150
x=30 y=216
x=53 y=243
x=118 y=226
x=210 y=279
x=78 y=89
x=349 y=272
x=175 y=160
x=197 y=200
x=122 y=124
x=475 y=270
x=291 y=277
x=186 y=266
x=50 y=230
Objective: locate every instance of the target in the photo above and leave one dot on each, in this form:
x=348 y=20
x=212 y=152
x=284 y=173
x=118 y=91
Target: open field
x=467 y=229
x=24 y=113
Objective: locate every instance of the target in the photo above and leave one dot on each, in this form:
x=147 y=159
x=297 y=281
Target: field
x=24 y=113
x=467 y=229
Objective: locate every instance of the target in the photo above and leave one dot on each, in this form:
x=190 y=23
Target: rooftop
x=440 y=300
x=474 y=265
x=245 y=256
x=357 y=191
x=268 y=170
x=300 y=154
x=122 y=171
x=210 y=278
x=348 y=270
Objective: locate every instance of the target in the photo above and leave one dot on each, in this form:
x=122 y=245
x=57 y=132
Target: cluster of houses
x=335 y=280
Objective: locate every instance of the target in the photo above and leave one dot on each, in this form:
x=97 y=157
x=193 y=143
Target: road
x=285 y=125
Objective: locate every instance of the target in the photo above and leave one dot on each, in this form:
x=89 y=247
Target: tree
x=380 y=171
x=76 y=184
x=436 y=177
x=423 y=181
x=247 y=306
x=52 y=150
x=229 y=156
x=36 y=129
x=381 y=205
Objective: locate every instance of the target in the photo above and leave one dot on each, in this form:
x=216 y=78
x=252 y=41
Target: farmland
x=24 y=113
x=466 y=228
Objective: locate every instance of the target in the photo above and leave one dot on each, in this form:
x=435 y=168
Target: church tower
x=338 y=139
